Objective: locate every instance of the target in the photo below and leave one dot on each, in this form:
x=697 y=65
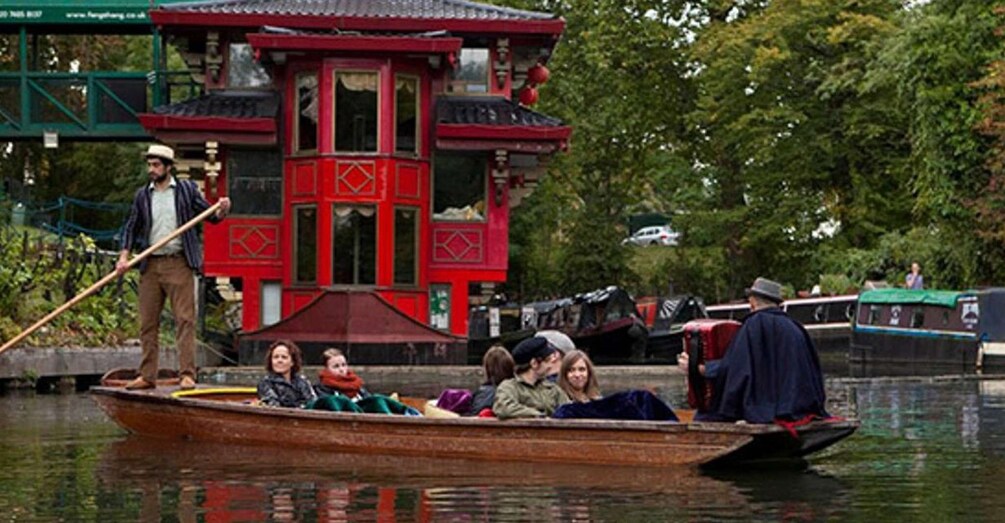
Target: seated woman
x=341 y=390
x=284 y=386
x=577 y=377
x=579 y=381
x=498 y=365
x=338 y=379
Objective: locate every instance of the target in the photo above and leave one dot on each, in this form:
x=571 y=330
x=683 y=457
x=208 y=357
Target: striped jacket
x=188 y=203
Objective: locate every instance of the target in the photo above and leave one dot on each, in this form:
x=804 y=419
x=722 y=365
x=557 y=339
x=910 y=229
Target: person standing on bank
x=160 y=207
x=771 y=371
x=914 y=279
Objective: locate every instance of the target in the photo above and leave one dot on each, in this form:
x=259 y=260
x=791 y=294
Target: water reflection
x=293 y=485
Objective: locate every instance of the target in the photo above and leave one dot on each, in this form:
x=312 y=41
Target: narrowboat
x=914 y=330
x=665 y=317
x=491 y=324
x=826 y=318
x=605 y=323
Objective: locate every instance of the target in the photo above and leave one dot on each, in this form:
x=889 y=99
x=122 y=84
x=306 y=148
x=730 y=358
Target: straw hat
x=160 y=151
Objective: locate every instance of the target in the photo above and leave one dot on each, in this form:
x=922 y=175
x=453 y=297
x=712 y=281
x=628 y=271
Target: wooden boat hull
x=159 y=413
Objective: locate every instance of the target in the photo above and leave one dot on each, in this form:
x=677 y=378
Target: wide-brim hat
x=767 y=289
x=160 y=151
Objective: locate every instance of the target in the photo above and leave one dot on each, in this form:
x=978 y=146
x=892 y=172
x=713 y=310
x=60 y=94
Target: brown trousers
x=167 y=277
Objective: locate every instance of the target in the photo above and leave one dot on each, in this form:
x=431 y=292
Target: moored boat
x=605 y=323
x=665 y=317
x=960 y=331
x=225 y=415
x=826 y=318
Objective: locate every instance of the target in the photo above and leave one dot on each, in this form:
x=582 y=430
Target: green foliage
x=702 y=271
x=787 y=139
x=833 y=284
x=37 y=275
x=621 y=60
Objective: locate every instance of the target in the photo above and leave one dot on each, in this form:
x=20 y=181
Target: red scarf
x=348 y=384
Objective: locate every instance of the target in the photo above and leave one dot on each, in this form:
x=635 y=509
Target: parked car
x=653 y=235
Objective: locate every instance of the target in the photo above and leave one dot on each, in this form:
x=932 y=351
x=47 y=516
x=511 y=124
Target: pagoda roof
x=234 y=116
x=484 y=123
x=224 y=104
x=483 y=110
x=378 y=15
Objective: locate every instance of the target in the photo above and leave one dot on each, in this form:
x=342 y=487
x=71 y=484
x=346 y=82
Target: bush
x=38 y=274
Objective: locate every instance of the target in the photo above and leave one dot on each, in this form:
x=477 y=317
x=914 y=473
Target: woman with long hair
x=498 y=366
x=578 y=378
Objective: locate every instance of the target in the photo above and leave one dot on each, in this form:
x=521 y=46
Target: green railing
x=86 y=105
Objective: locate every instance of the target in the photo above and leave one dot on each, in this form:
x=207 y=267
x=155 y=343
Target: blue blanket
x=631 y=405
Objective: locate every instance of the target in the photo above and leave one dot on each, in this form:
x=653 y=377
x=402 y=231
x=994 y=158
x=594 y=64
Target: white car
x=653 y=235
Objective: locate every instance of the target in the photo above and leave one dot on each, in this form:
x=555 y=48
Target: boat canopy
x=912 y=297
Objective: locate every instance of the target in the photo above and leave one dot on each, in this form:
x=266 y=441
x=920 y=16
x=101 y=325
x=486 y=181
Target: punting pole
x=110 y=276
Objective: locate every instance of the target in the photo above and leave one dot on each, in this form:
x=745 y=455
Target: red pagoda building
x=373 y=151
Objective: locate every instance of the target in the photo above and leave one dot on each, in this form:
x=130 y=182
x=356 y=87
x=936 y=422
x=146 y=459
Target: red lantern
x=538 y=74
x=528 y=96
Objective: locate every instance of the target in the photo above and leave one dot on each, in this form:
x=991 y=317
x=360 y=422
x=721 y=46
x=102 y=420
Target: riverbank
x=46 y=368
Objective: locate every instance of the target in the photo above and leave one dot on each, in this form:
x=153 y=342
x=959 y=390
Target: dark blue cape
x=771 y=371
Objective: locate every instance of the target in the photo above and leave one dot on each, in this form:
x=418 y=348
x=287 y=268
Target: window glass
x=354 y=260
x=874 y=314
x=271 y=303
x=917 y=318
x=305 y=252
x=472 y=72
x=243 y=70
x=406 y=231
x=307 y=111
x=255 y=181
x=459 y=187
x=406 y=114
x=355 y=111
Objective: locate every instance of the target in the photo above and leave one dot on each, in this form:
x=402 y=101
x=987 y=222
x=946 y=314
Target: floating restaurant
x=373 y=152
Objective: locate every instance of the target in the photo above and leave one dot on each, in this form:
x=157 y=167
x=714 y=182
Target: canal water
x=930 y=449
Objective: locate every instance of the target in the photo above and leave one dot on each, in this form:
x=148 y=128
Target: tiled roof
x=489 y=111
x=414 y=9
x=225 y=105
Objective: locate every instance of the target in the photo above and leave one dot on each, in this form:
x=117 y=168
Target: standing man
x=914 y=279
x=771 y=370
x=159 y=208
x=529 y=394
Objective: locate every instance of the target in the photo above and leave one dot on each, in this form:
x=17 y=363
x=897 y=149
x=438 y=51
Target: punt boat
x=227 y=415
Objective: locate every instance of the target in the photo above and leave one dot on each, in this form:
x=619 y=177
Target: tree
x=791 y=133
x=620 y=80
x=942 y=51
